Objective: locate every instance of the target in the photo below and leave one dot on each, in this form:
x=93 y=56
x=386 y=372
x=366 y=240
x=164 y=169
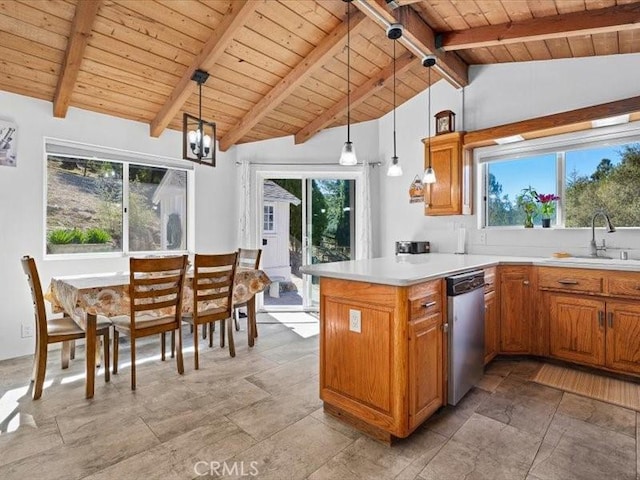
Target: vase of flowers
x=527 y=201
x=547 y=203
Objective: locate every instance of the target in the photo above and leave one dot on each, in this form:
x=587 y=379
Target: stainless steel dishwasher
x=465 y=295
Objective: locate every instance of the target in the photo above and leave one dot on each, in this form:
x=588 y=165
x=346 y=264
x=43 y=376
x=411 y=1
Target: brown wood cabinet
x=623 y=336
x=388 y=377
x=491 y=315
x=516 y=309
x=425 y=368
x=445 y=196
x=577 y=329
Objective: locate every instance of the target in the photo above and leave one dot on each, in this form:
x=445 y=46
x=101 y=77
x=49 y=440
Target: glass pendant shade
x=429 y=176
x=348 y=155
x=394 y=170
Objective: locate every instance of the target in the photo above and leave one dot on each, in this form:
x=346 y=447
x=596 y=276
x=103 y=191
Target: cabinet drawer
x=588 y=281
x=489 y=279
x=624 y=285
x=423 y=306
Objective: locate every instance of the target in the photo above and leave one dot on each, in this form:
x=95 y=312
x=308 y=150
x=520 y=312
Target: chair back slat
x=31 y=271
x=157 y=284
x=213 y=282
x=248 y=258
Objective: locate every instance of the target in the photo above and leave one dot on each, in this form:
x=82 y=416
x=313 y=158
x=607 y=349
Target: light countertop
x=403 y=270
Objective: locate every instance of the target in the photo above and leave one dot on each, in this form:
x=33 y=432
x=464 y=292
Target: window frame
x=557 y=144
x=126 y=159
x=271 y=205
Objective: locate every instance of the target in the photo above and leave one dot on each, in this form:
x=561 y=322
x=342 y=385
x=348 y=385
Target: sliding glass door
x=305 y=220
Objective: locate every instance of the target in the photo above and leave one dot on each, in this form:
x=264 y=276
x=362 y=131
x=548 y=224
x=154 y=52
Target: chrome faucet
x=610 y=229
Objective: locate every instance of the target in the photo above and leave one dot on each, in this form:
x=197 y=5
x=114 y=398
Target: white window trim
x=598 y=137
x=125 y=157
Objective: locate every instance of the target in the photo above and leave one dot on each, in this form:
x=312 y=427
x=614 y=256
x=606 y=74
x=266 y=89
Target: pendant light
x=395 y=170
x=348 y=155
x=198 y=135
x=429 y=173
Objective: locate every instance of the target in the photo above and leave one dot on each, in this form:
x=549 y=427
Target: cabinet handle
x=429 y=304
x=610 y=317
x=568 y=282
x=445 y=327
x=526 y=282
x=601 y=318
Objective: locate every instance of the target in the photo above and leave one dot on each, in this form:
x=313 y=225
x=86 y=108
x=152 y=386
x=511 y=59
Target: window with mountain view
x=594 y=178
x=86 y=207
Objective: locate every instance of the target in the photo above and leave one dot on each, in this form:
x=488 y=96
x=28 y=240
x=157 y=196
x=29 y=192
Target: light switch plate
x=27 y=330
x=355 y=321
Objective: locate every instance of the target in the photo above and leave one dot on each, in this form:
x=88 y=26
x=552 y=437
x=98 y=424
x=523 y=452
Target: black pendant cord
x=348 y=72
x=201 y=146
x=429 y=116
x=394 y=102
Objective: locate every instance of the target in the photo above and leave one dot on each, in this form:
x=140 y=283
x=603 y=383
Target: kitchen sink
x=594 y=261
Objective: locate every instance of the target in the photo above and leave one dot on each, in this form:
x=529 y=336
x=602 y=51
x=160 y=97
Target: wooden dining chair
x=213 y=278
x=248 y=259
x=155 y=292
x=56 y=330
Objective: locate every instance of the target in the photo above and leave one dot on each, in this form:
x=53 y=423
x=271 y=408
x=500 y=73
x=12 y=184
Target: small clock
x=445 y=122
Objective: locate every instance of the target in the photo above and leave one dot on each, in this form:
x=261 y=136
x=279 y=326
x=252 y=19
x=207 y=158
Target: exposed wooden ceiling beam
x=487 y=136
x=417 y=34
x=326 y=49
x=358 y=95
x=239 y=11
x=81 y=26
x=603 y=20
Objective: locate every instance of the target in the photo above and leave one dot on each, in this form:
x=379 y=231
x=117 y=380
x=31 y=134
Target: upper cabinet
x=451 y=194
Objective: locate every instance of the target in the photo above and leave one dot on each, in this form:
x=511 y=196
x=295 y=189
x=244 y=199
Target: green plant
x=547 y=205
x=527 y=200
x=60 y=236
x=65 y=236
x=96 y=235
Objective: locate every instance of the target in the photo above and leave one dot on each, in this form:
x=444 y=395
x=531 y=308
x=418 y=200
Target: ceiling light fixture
x=394 y=32
x=199 y=136
x=348 y=155
x=429 y=174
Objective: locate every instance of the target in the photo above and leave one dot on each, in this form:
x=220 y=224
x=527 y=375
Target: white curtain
x=244 y=204
x=363 y=245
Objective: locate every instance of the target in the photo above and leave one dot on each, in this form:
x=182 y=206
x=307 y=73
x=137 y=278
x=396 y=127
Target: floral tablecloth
x=108 y=294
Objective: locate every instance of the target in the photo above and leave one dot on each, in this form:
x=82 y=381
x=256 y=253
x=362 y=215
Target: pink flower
x=547 y=197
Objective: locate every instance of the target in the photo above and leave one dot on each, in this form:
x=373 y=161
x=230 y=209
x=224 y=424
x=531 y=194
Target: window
x=269 y=217
x=594 y=175
x=96 y=205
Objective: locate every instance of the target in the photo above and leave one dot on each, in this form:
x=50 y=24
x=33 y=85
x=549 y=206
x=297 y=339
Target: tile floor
x=258 y=416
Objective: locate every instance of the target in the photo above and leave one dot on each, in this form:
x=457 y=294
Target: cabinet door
x=576 y=329
x=491 y=327
x=425 y=368
x=515 y=310
x=623 y=336
x=445 y=196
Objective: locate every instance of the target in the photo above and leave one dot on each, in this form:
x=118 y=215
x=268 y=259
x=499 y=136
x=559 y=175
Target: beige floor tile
x=602 y=414
x=295 y=452
x=280 y=379
x=577 y=450
x=28 y=439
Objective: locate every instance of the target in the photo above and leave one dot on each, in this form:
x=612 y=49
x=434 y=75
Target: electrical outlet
x=355 y=321
x=27 y=330
x=483 y=238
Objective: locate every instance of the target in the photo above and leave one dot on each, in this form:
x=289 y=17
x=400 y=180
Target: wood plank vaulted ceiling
x=278 y=67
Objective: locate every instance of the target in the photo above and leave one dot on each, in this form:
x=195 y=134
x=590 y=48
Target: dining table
x=85 y=297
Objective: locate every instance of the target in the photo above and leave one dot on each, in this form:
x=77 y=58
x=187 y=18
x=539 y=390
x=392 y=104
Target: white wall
x=22 y=208
x=499 y=94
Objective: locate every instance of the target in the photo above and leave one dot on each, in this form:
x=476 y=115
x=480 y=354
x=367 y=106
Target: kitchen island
x=383 y=330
